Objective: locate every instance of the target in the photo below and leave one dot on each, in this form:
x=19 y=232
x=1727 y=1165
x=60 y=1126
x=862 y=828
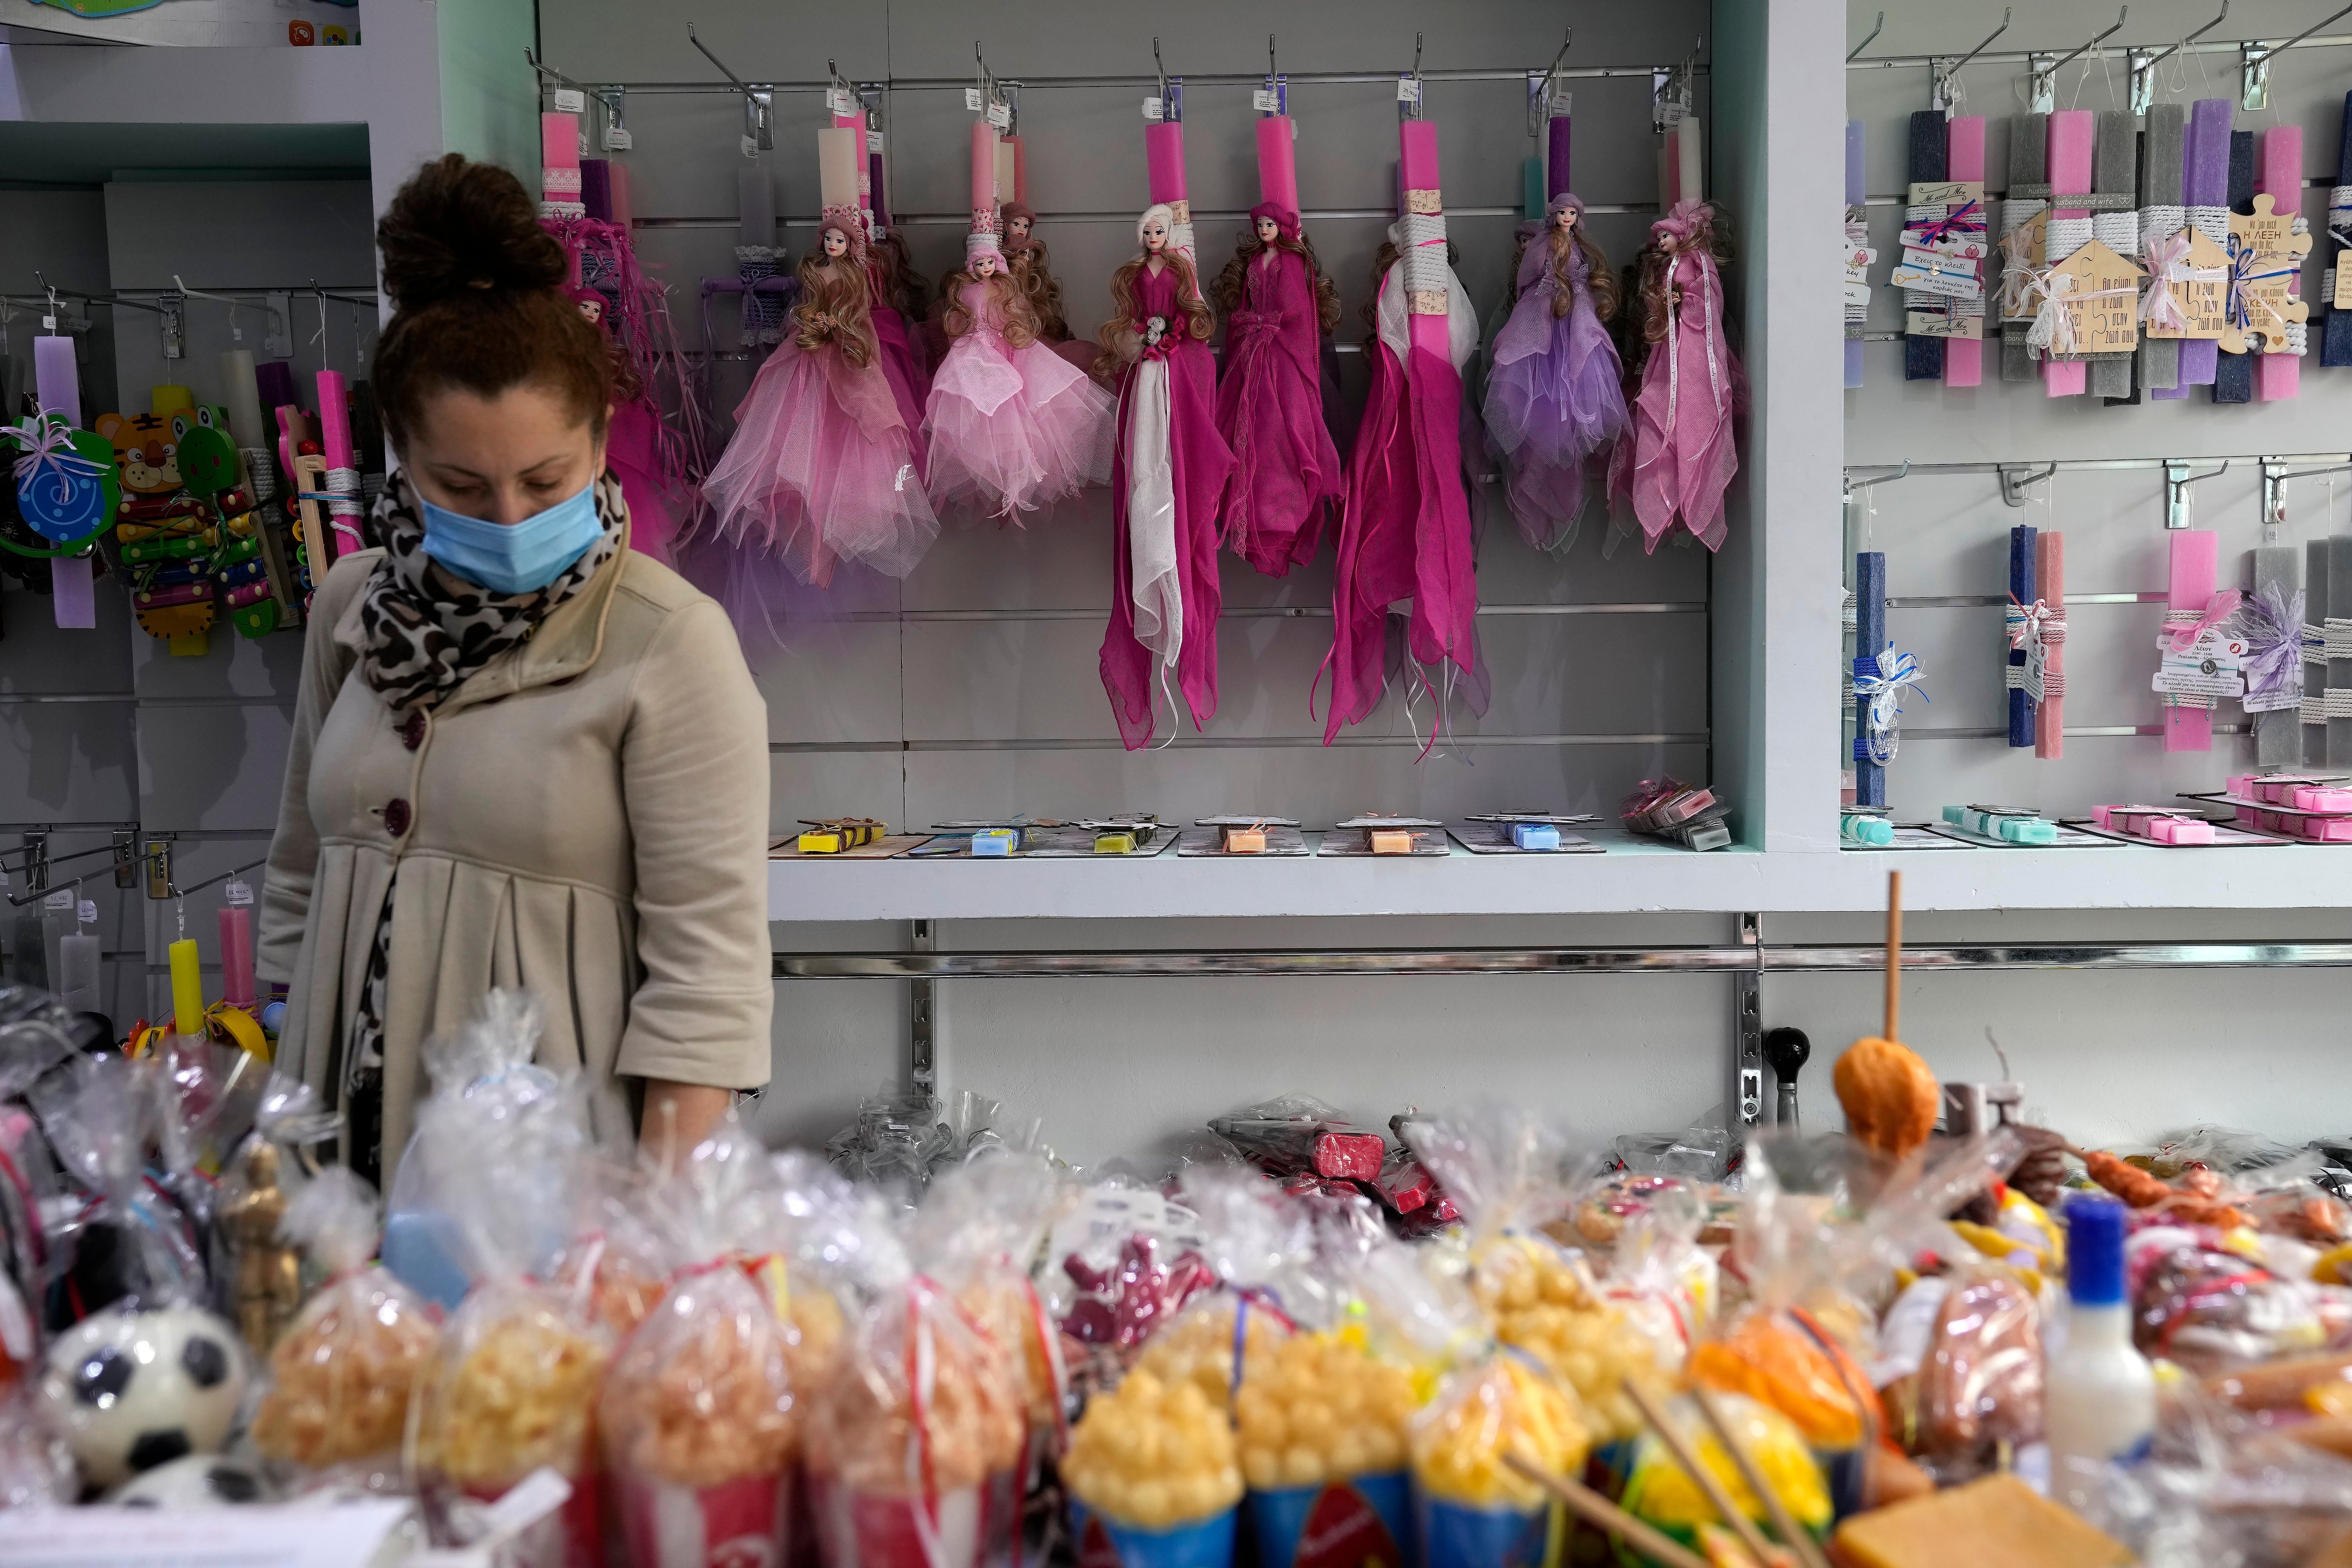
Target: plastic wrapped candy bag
x=1511 y=1173
x=132 y=1241
x=2209 y=1308
x=1296 y=1134
x=1659 y=1491
x=978 y=1232
x=1121 y=1262
x=341 y=1376
x=1980 y=1387
x=899 y=1141
x=36 y=1466
x=512 y=1386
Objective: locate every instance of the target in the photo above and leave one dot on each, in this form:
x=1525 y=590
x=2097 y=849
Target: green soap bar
x=2029 y=830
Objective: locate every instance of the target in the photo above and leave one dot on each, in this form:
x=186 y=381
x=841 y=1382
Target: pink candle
x=983 y=172
x=2069 y=175
x=1965 y=160
x=2050 y=587
x=236 y=955
x=335 y=445
x=1020 y=169
x=1163 y=157
x=1424 y=269
x=2195 y=563
x=56 y=382
x=1277 y=162
x=559 y=158
x=2280 y=375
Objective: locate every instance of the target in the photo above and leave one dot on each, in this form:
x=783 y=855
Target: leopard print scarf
x=421 y=640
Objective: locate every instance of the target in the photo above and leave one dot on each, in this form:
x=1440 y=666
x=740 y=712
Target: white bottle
x=2099 y=1393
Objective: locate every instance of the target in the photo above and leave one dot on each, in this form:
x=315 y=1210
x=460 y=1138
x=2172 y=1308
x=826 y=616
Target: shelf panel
x=1633 y=877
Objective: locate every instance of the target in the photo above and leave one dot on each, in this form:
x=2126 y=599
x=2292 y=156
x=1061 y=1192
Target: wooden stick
x=1893 y=953
x=1607 y=1517
x=1716 y=1493
x=1801 y=1543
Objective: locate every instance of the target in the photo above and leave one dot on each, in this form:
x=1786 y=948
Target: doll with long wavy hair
x=1678 y=453
x=897 y=295
x=1013 y=426
x=1554 y=398
x=1168 y=481
x=822 y=466
x=1279 y=306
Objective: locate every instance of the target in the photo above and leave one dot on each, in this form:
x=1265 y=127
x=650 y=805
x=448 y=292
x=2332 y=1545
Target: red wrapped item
x=1121 y=1305
x=1299 y=1135
x=1404 y=1185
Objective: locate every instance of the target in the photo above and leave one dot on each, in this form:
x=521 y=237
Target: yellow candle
x=187 y=988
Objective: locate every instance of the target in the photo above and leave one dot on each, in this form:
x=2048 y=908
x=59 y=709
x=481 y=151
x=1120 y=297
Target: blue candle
x=1869 y=638
x=2021 y=588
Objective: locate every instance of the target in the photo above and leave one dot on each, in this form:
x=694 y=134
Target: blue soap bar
x=997 y=841
x=1535 y=835
x=2029 y=830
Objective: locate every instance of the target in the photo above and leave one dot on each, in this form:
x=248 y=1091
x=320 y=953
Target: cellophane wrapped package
x=36 y=1466
x=701 y=1415
x=339 y=1377
x=1295 y=1135
x=1121 y=1262
x=1511 y=1173
x=512 y=1387
x=979 y=1234
x=132 y=1242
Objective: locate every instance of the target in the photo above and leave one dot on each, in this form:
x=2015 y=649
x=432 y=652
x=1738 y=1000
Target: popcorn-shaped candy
x=341 y=1373
x=1199 y=1347
x=1154 y=1455
x=1659 y=1491
x=1544 y=1301
x=701 y=1393
x=513 y=1388
x=1502 y=1407
x=1014 y=1321
x=864 y=1415
x=1317 y=1409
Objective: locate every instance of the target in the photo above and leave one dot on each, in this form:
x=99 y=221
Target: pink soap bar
x=2279 y=375
x=2250 y=815
x=2181 y=830
x=2319 y=797
x=1964 y=157
x=2328 y=829
x=2069 y=175
x=2244 y=785
x=2196 y=565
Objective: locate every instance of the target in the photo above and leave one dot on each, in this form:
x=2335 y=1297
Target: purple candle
x=2205 y=183
x=1559 y=163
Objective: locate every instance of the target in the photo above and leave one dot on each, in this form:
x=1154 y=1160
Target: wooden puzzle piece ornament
x=2265 y=258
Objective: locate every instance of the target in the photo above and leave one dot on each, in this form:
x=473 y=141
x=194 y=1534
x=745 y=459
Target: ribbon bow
x=49 y=445
x=2053 y=324
x=1882 y=682
x=2040 y=622
x=2244 y=260
x=1967 y=218
x=2168 y=263
x=2181 y=634
x=2272 y=625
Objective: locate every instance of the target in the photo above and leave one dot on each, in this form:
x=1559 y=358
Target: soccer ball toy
x=135 y=1390
x=199 y=1480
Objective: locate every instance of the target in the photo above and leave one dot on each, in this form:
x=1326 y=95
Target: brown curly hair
x=835 y=307
x=1653 y=319
x=1226 y=293
x=479 y=300
x=1019 y=324
x=900 y=285
x=1122 y=344
x=1600 y=278
x=1034 y=269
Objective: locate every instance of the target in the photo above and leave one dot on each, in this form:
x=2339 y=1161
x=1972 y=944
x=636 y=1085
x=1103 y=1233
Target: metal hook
x=1416 y=54
x=1269 y=56
x=2254 y=63
x=2043 y=88
x=1902 y=473
x=2144 y=63
x=1543 y=87
x=759 y=102
x=1868 y=38
x=2177 y=481
x=2013 y=486
x=1157 y=69
x=2274 y=491
x=1942 y=95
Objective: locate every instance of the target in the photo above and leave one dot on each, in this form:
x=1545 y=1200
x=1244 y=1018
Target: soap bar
x=1997 y=1519
x=2181 y=830
x=1874 y=831
x=1535 y=835
x=995 y=841
x=826 y=841
x=1244 y=840
x=1114 y=843
x=2028 y=830
x=2319 y=797
x=1391 y=841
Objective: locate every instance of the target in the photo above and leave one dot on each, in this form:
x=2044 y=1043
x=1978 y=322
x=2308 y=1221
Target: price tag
x=1945 y=285
x=840 y=101
x=63 y=898
x=48 y=323
x=2212 y=666
x=2341 y=300
x=751 y=145
x=570 y=101
x=1265 y=100
x=1408 y=89
x=874 y=140
x=240 y=893
x=1857 y=292
x=1945 y=194
x=1153 y=109
x=1000 y=115
x=618 y=139
x=972 y=99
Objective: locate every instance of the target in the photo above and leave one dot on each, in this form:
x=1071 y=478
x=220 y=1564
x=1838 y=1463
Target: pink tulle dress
x=1169 y=479
x=822 y=468
x=1554 y=398
x=1678 y=454
x=1287 y=481
x=632 y=451
x=1011 y=430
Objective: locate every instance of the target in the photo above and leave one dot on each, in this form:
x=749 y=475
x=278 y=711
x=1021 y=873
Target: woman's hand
x=678 y=1116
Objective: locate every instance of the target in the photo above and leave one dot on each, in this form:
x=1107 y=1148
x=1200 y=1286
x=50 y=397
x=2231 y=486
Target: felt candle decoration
x=164 y=401
x=2021 y=605
x=2280 y=175
x=2196 y=559
x=2160 y=218
x=1670 y=172
x=2273 y=621
x=2233 y=374
x=1965 y=160
x=1922 y=357
x=1870 y=636
x=274 y=380
x=2029 y=154
x=187 y=988
x=2046 y=637
x=56 y=383
x=1857 y=240
x=2071 y=130
x=236 y=955
x=841 y=168
x=2115 y=172
x=2338 y=634
x=342 y=533
x=2316 y=680
x=2205 y=192
x=1163 y=158
x=559 y=166
x=2336 y=338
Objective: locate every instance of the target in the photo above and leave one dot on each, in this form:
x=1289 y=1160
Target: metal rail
x=1208 y=79
x=1795 y=958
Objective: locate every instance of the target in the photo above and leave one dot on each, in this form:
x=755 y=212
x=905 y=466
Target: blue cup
x=1355 y=1523
x=1454 y=1535
x=1208 y=1543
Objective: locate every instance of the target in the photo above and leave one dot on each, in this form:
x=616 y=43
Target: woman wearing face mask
x=523 y=753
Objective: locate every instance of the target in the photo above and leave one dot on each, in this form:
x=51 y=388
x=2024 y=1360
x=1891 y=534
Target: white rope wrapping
x=2213 y=223
x=2313 y=711
x=2337 y=702
x=2161 y=221
x=2067 y=236
x=2019 y=211
x=2119 y=232
x=2339 y=199
x=2336 y=636
x=343 y=500
x=2315 y=644
x=1421 y=250
x=2298 y=339
x=1850 y=616
x=260 y=477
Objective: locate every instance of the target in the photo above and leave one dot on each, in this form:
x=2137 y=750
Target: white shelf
x=1635 y=877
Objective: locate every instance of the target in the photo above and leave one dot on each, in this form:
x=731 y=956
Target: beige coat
x=586 y=816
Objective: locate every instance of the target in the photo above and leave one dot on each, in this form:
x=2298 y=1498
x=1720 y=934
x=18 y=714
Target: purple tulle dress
x=1287 y=481
x=1554 y=398
x=822 y=469
x=1165 y=596
x=1011 y=430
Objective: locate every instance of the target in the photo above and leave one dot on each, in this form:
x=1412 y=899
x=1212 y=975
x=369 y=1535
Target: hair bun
x=462 y=228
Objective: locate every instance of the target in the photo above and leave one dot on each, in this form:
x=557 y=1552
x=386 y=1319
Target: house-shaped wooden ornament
x=2202 y=298
x=2277 y=253
x=2100 y=292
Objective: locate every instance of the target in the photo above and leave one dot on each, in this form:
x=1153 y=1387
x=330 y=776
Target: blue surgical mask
x=513 y=558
